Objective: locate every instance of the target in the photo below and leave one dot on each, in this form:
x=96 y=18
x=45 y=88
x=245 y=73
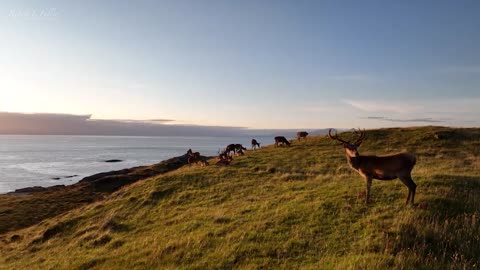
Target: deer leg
x=412 y=187
x=369 y=185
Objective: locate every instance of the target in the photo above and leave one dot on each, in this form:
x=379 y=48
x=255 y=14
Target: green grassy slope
x=286 y=207
x=21 y=210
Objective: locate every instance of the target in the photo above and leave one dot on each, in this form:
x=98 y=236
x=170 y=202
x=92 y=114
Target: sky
x=257 y=64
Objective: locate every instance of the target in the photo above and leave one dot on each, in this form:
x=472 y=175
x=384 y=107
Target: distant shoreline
x=106 y=177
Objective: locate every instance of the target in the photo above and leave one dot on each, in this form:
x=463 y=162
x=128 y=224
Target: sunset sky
x=256 y=64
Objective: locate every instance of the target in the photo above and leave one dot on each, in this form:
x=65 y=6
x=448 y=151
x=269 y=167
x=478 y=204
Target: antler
x=335 y=137
x=361 y=136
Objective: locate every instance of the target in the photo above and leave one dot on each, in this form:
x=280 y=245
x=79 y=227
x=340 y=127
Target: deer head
x=350 y=148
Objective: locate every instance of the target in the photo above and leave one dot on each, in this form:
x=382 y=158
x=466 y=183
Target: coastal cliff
x=27 y=206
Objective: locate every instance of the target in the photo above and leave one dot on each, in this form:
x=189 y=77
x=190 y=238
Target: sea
x=48 y=160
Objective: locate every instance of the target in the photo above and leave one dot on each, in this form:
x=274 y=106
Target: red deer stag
x=302 y=134
x=255 y=144
x=280 y=140
x=385 y=167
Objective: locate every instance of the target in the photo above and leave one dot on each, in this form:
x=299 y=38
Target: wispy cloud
x=421 y=120
x=449 y=111
x=431 y=105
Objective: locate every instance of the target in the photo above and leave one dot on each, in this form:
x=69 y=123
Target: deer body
x=280 y=140
x=385 y=167
x=255 y=144
x=194 y=157
x=302 y=134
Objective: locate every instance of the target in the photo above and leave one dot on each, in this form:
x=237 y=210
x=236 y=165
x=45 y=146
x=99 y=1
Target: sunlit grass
x=286 y=207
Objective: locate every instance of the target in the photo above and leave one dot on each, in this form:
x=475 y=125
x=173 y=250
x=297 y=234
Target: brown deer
x=224 y=159
x=280 y=140
x=240 y=152
x=255 y=144
x=302 y=135
x=385 y=167
x=194 y=157
x=230 y=148
x=190 y=153
x=239 y=148
x=235 y=148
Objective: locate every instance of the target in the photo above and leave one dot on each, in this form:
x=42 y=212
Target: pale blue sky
x=258 y=64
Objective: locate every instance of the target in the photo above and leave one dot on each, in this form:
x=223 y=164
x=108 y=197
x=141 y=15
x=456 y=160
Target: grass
x=286 y=207
x=23 y=210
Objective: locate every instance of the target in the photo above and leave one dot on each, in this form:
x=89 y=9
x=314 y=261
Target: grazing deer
x=239 y=148
x=280 y=140
x=235 y=148
x=224 y=156
x=385 y=167
x=302 y=134
x=230 y=148
x=255 y=144
x=240 y=152
x=194 y=157
x=224 y=159
x=190 y=153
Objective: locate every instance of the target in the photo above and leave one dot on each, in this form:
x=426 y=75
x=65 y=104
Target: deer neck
x=354 y=162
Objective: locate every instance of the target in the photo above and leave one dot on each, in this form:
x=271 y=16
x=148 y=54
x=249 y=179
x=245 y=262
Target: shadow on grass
x=446 y=230
x=158 y=195
x=456 y=200
x=55 y=230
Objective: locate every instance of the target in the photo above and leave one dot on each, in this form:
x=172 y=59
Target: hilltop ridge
x=287 y=207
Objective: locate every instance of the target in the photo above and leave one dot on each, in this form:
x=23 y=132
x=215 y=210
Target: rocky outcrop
x=36 y=189
x=113 y=180
x=113 y=160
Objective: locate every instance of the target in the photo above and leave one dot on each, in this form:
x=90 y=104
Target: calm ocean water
x=35 y=160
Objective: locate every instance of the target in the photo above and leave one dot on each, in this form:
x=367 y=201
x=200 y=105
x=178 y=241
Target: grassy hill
x=286 y=207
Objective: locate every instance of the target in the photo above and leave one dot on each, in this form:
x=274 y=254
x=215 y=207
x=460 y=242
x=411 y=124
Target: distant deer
x=235 y=148
x=302 y=134
x=239 y=148
x=385 y=167
x=224 y=158
x=190 y=153
x=230 y=148
x=255 y=144
x=280 y=140
x=194 y=157
x=240 y=152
